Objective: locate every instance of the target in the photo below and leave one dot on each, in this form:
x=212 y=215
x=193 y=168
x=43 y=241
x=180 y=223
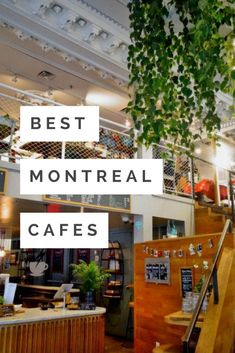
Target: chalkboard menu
x=186 y=280
x=3 y=176
x=110 y=202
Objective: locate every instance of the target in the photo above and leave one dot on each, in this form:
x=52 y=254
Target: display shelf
x=113 y=271
x=113 y=263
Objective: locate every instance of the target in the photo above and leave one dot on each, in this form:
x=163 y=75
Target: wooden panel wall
x=206 y=222
x=154 y=301
x=73 y=335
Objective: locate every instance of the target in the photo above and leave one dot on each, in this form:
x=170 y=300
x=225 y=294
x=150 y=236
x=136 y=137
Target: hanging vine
x=178 y=60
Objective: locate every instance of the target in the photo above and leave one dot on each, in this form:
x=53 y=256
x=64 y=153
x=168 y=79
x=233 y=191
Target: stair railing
x=212 y=275
x=232 y=193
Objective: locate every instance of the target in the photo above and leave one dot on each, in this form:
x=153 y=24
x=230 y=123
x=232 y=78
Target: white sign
x=91 y=176
x=63 y=231
x=59 y=123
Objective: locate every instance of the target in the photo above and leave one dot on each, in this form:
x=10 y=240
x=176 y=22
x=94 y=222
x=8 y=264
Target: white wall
x=13 y=182
x=164 y=206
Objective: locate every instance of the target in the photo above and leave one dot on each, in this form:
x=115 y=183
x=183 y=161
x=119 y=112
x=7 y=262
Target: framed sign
x=3 y=181
x=109 y=202
x=187 y=280
x=157 y=270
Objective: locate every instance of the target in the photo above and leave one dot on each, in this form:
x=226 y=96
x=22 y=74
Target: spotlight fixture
x=127 y=123
x=57 y=8
x=46 y=75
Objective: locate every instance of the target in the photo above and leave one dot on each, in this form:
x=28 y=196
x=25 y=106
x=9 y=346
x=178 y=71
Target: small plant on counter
x=91 y=276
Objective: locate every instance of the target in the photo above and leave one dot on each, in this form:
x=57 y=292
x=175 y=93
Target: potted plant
x=1 y=300
x=179 y=58
x=90 y=276
x=196 y=293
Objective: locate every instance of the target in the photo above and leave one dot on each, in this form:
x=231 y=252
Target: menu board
x=157 y=270
x=3 y=177
x=186 y=280
x=110 y=202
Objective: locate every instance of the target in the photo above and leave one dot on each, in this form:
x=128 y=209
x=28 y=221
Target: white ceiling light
x=103 y=99
x=57 y=8
x=198 y=150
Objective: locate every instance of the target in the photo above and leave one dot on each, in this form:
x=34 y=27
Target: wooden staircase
x=210 y=218
x=218 y=330
x=217 y=334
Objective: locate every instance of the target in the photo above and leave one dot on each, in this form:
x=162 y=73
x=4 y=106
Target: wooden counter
x=53 y=331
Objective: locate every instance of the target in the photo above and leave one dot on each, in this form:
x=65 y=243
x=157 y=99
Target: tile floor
x=118 y=345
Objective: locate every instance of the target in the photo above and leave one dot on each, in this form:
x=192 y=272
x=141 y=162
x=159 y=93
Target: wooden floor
x=118 y=345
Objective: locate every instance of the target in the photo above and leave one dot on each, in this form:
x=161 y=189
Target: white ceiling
x=82 y=42
x=85 y=71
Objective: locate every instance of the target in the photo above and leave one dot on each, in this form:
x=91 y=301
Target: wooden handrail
x=213 y=273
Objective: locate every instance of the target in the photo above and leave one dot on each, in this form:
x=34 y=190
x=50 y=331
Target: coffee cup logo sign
x=37 y=269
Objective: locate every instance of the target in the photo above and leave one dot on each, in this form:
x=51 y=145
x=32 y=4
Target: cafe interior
x=168 y=272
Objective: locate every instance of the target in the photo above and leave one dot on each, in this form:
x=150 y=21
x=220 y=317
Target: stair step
x=166 y=348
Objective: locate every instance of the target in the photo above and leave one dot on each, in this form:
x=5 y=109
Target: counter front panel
x=53 y=331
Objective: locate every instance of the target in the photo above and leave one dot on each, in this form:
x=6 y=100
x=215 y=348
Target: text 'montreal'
x=91 y=176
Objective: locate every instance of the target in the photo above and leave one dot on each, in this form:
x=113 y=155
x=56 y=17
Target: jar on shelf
x=187 y=303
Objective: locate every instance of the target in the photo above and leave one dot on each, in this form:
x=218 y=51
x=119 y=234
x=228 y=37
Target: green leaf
x=186 y=91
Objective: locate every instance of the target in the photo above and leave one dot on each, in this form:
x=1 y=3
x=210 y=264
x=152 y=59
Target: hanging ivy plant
x=178 y=60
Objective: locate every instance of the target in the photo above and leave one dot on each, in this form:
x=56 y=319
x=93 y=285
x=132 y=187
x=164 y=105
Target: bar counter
x=53 y=331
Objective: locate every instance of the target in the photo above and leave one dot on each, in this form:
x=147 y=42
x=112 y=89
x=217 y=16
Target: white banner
x=91 y=176
x=59 y=123
x=64 y=230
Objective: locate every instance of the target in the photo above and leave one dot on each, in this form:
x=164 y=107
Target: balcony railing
x=183 y=176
